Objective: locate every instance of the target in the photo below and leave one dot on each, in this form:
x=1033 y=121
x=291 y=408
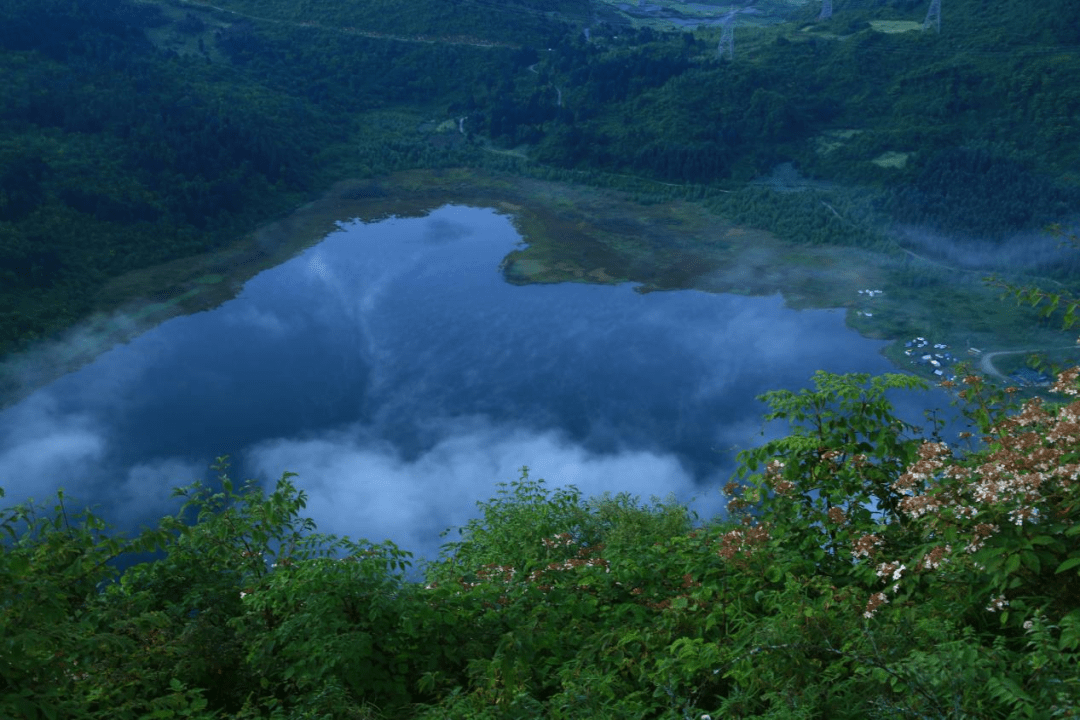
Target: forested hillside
x=117 y=152
x=988 y=109
x=136 y=132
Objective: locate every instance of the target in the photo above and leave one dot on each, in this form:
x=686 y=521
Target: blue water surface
x=394 y=369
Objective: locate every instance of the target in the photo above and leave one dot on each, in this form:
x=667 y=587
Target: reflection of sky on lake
x=394 y=370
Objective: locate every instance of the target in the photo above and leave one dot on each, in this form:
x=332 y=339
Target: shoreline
x=570 y=233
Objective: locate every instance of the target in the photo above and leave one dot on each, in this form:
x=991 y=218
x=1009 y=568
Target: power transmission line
x=826 y=10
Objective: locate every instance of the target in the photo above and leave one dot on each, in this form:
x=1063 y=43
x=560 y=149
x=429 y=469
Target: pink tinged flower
x=876 y=601
x=895 y=569
x=783 y=487
x=918 y=505
x=935 y=558
x=865 y=545
x=933 y=450
x=1066 y=382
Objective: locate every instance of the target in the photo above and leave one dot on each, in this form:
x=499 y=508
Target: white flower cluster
x=876 y=601
x=560 y=540
x=896 y=569
x=865 y=545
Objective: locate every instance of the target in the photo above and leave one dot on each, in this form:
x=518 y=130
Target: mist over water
x=402 y=378
x=1031 y=251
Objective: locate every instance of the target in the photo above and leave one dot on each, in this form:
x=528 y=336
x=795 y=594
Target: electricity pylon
x=933 y=17
x=826 y=10
x=727 y=41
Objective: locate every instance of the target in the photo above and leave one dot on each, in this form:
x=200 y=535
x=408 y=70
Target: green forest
x=864 y=569
x=134 y=133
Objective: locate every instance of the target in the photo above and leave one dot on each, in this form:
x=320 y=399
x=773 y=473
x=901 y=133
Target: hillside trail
x=558 y=90
x=346 y=30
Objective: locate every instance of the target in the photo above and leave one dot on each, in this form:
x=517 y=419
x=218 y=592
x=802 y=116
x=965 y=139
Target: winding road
x=558 y=90
x=986 y=361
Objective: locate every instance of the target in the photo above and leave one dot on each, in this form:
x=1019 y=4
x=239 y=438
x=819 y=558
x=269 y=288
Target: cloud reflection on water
x=402 y=378
x=366 y=489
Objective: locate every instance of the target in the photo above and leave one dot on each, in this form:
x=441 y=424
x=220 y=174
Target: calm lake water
x=402 y=378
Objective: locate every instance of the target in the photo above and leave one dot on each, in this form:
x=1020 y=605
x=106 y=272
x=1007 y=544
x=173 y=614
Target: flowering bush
x=829 y=484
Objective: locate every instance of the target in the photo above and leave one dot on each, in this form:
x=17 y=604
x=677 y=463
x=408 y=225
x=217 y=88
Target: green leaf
x=18 y=564
x=1067 y=565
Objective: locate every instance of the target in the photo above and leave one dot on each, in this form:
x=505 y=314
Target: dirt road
x=986 y=362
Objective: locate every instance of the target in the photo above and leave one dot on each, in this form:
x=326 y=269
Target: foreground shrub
x=864 y=571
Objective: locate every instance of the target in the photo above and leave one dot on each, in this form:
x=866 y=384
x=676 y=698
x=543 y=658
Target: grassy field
x=895 y=26
x=891 y=159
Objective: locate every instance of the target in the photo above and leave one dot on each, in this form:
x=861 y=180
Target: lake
x=394 y=369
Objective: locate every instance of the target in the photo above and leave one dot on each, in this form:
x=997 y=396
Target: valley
x=300 y=300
